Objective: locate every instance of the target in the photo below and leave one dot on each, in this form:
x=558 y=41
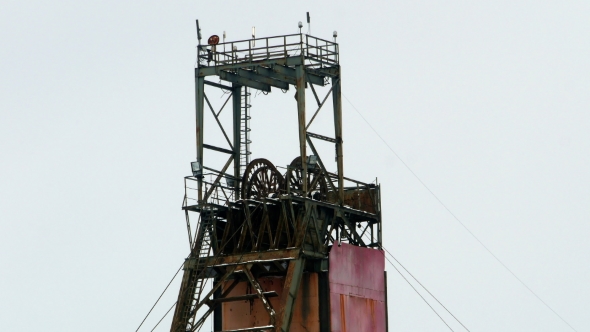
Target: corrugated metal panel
x=251 y=313
x=357 y=289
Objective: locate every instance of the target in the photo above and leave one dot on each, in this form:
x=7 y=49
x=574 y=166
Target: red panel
x=251 y=313
x=357 y=289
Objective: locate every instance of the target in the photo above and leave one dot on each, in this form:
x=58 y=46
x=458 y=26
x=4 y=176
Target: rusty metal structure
x=262 y=252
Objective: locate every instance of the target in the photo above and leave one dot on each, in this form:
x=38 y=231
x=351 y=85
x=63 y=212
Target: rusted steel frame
x=293 y=218
x=226 y=230
x=313 y=183
x=349 y=179
x=218 y=122
x=352 y=230
x=183 y=303
x=219 y=176
x=365 y=230
x=337 y=101
x=215 y=70
x=199 y=93
x=188 y=228
x=319 y=105
x=196 y=326
x=318 y=231
x=243 y=232
x=183 y=313
x=289 y=294
x=275 y=242
x=242 y=297
x=322 y=137
x=268 y=228
x=300 y=96
x=229 y=272
x=315 y=94
x=253 y=257
x=303 y=222
x=314 y=238
x=262 y=228
x=327 y=236
x=216 y=148
x=339 y=209
x=249 y=228
x=285 y=220
x=323 y=168
x=267 y=305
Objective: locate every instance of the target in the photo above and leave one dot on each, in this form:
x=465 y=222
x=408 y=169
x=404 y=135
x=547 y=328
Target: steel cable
x=455 y=217
x=149 y=312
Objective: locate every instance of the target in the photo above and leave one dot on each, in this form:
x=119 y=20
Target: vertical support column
x=200 y=94
x=218 y=311
x=237 y=109
x=290 y=290
x=300 y=96
x=337 y=101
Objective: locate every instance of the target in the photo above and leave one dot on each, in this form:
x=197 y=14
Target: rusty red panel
x=357 y=289
x=251 y=313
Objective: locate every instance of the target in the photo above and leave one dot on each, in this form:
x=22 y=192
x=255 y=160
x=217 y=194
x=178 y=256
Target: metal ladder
x=245 y=130
x=202 y=248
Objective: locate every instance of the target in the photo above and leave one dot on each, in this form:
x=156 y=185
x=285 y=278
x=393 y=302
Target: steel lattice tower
x=277 y=243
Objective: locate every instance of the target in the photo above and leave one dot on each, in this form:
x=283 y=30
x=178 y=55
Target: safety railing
x=318 y=52
x=220 y=192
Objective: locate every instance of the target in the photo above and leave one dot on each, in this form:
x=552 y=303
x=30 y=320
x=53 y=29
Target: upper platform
x=316 y=51
x=269 y=61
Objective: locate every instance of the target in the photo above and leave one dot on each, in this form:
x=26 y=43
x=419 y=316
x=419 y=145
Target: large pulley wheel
x=261 y=180
x=316 y=183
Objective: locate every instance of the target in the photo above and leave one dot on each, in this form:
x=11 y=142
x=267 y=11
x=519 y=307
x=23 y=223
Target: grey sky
x=486 y=101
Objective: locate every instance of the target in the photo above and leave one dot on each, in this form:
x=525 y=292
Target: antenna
x=308 y=24
x=198 y=32
x=253 y=36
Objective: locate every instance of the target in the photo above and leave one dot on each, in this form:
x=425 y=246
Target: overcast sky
x=486 y=102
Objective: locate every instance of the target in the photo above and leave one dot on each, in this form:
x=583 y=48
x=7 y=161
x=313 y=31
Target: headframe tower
x=298 y=250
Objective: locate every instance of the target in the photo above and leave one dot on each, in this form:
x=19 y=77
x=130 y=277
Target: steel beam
x=218 y=149
x=217 y=85
x=300 y=96
x=200 y=96
x=277 y=76
x=322 y=137
x=290 y=289
x=251 y=257
x=337 y=100
x=262 y=79
x=288 y=71
x=214 y=70
x=242 y=297
x=224 y=75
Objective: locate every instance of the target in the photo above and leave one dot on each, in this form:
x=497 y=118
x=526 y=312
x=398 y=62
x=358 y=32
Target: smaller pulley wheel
x=261 y=180
x=316 y=182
